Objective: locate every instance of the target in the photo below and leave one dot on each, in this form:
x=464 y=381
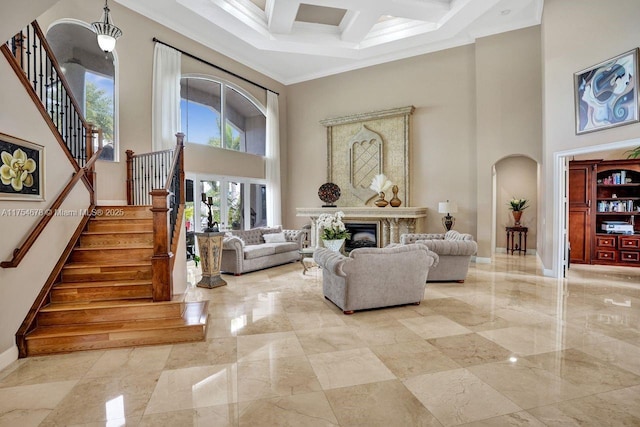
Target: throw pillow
x=274 y=238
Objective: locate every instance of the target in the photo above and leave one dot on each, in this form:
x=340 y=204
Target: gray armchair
x=454 y=249
x=375 y=277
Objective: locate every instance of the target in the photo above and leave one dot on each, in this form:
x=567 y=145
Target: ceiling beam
x=356 y=25
x=281 y=15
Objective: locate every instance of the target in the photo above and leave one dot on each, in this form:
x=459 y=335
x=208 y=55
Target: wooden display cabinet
x=617 y=200
x=599 y=192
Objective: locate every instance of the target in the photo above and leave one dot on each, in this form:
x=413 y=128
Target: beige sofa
x=454 y=249
x=249 y=250
x=375 y=277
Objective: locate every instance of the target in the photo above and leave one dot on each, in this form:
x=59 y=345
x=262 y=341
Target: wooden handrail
x=177 y=160
x=56 y=65
x=86 y=173
x=26 y=70
x=19 y=253
x=41 y=108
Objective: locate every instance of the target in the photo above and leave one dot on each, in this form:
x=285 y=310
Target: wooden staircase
x=104 y=296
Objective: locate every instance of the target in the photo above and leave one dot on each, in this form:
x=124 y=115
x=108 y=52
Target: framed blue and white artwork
x=607 y=94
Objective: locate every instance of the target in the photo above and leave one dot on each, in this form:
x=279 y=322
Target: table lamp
x=448 y=207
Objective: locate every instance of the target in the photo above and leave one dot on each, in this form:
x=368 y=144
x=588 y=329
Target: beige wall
x=474 y=105
x=575 y=37
x=441 y=86
x=14 y=17
x=509 y=113
x=516 y=177
x=134 y=51
x=19 y=286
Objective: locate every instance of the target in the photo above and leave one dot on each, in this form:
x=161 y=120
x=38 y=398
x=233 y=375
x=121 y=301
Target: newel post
x=129 y=177
x=91 y=172
x=162 y=278
x=180 y=142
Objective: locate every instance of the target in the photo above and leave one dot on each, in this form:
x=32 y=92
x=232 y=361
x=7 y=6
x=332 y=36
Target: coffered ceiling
x=297 y=40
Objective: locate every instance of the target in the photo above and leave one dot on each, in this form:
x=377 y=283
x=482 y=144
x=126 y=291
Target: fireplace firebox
x=363 y=235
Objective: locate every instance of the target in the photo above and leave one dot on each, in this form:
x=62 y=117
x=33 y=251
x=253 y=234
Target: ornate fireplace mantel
x=393 y=221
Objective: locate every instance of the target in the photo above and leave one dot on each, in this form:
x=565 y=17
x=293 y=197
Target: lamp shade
x=447 y=207
x=107 y=32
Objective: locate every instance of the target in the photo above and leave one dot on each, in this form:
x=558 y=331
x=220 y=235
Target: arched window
x=207 y=103
x=91 y=73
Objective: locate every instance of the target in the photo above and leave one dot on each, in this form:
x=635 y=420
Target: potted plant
x=633 y=154
x=334 y=232
x=517 y=206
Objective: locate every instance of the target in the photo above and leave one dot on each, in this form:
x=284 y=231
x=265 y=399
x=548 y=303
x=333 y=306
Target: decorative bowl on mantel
x=329 y=193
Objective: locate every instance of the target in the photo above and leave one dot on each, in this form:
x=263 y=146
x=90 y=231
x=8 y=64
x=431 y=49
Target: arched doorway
x=515 y=177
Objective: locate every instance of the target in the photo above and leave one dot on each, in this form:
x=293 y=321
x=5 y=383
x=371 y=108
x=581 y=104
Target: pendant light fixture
x=106 y=31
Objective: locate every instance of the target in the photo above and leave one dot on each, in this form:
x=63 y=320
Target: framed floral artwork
x=21 y=169
x=607 y=93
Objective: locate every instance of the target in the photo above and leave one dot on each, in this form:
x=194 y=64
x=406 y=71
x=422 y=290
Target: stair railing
x=157 y=179
x=32 y=59
x=87 y=174
x=146 y=172
x=29 y=323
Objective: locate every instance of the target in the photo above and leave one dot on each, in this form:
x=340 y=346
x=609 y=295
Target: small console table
x=520 y=231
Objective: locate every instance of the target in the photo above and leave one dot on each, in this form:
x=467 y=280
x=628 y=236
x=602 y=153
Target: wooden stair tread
x=129 y=207
x=123 y=218
x=108 y=232
x=101 y=284
x=106 y=327
x=87 y=305
x=104 y=248
x=104 y=298
x=73 y=265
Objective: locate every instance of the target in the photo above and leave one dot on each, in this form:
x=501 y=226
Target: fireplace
x=363 y=235
x=390 y=223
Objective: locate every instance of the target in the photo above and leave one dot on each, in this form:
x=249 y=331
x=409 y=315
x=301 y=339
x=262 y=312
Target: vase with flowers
x=334 y=232
x=380 y=183
x=517 y=206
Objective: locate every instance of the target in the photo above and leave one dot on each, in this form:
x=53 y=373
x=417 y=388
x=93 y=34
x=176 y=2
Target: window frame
x=223 y=117
x=116 y=87
x=224 y=211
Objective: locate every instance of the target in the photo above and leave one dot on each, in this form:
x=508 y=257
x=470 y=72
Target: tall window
x=237 y=203
x=90 y=73
x=206 y=104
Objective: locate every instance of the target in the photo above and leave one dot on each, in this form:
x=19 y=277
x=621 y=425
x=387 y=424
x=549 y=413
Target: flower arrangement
x=518 y=205
x=332 y=226
x=380 y=183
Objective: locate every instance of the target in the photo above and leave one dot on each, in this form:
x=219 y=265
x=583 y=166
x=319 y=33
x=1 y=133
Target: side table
x=520 y=231
x=305 y=253
x=210 y=245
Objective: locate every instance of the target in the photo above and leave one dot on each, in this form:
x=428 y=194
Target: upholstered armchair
x=454 y=249
x=375 y=277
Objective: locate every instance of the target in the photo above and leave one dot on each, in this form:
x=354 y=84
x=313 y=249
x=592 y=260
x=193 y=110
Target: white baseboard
x=482 y=260
x=111 y=202
x=8 y=356
x=504 y=251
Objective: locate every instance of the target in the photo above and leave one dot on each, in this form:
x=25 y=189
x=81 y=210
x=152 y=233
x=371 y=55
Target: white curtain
x=274 y=214
x=165 y=109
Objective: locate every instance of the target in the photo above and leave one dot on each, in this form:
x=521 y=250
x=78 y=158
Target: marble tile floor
x=508 y=347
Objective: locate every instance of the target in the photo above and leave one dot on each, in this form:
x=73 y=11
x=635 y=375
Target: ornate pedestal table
x=210 y=245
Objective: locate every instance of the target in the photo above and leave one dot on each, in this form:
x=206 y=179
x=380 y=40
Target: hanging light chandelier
x=106 y=31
